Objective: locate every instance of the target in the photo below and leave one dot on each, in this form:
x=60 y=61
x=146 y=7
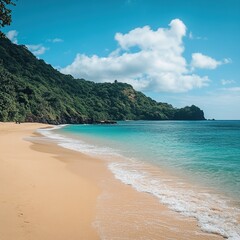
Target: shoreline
x=56 y=193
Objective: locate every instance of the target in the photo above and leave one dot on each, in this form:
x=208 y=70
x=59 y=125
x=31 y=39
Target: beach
x=49 y=192
x=40 y=199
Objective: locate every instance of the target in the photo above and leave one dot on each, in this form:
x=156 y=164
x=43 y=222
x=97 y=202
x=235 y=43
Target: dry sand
x=51 y=193
x=39 y=198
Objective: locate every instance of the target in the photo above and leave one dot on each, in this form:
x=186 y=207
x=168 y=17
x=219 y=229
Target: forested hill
x=31 y=90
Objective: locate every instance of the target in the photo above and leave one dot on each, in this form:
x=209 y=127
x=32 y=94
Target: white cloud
x=147 y=59
x=12 y=35
x=227 y=60
x=55 y=40
x=227 y=82
x=205 y=62
x=35 y=49
x=193 y=37
x=38 y=49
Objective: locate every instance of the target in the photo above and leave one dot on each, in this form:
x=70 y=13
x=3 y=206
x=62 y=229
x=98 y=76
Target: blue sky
x=177 y=51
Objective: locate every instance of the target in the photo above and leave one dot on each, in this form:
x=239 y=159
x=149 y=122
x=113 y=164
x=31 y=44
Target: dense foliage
x=31 y=90
x=5 y=13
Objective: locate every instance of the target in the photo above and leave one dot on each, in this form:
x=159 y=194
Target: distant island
x=33 y=91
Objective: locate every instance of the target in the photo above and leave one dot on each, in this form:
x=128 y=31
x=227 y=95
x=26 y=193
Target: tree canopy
x=31 y=90
x=5 y=13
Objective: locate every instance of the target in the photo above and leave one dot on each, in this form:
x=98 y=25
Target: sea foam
x=213 y=212
x=76 y=144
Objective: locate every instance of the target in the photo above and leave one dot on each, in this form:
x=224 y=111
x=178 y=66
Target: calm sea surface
x=204 y=157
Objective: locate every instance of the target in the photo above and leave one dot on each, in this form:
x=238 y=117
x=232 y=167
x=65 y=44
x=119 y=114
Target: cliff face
x=31 y=90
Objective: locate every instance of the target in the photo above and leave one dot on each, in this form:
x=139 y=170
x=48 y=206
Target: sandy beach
x=40 y=199
x=48 y=192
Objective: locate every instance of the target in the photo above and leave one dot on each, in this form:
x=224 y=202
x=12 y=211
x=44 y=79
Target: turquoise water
x=201 y=157
x=207 y=151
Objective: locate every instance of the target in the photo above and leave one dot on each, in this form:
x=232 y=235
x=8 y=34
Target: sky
x=182 y=52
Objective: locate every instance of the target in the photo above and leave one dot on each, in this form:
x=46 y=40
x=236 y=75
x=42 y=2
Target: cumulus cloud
x=147 y=59
x=205 y=62
x=38 y=49
x=12 y=35
x=161 y=39
x=55 y=40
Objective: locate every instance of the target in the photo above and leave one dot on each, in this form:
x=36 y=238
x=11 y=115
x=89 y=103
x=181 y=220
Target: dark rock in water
x=105 y=122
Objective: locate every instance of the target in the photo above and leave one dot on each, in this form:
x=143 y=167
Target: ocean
x=196 y=164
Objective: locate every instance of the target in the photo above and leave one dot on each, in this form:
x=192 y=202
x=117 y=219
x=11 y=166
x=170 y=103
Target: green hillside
x=33 y=91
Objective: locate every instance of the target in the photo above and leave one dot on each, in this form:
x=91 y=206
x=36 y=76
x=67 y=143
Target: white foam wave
x=213 y=212
x=76 y=144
